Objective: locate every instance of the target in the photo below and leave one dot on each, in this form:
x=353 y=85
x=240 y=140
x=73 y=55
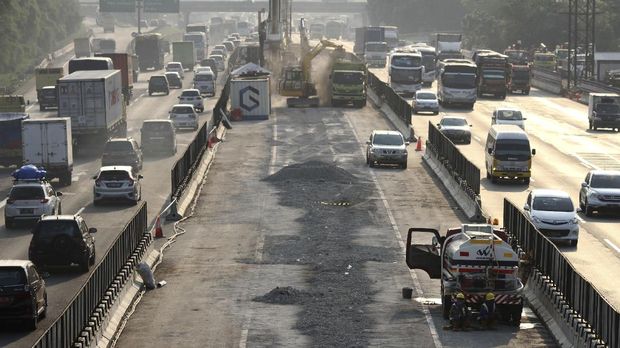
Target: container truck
x=82 y=47
x=45 y=78
x=448 y=45
x=93 y=99
x=150 y=51
x=90 y=63
x=604 y=111
x=124 y=63
x=11 y=138
x=348 y=81
x=184 y=52
x=493 y=74
x=473 y=259
x=367 y=34
x=47 y=143
x=201 y=46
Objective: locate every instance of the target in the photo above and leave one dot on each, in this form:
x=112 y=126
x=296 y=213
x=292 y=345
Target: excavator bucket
x=426 y=257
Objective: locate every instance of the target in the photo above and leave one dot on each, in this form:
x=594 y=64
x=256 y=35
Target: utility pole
x=581 y=39
x=139 y=7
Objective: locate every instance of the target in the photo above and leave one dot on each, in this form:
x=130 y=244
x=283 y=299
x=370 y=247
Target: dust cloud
x=320 y=77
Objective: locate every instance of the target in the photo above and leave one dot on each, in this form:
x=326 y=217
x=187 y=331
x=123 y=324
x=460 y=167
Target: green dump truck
x=183 y=51
x=348 y=81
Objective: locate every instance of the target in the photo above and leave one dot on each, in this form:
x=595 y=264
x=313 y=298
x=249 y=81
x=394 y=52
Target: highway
x=108 y=219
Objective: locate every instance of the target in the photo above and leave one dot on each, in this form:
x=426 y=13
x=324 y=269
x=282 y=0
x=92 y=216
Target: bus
x=405 y=70
x=429 y=57
x=456 y=82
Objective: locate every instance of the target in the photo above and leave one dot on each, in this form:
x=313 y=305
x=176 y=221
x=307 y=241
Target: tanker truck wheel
x=446 y=304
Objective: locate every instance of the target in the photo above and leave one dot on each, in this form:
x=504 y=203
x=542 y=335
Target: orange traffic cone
x=159 y=232
x=213 y=139
x=418 y=146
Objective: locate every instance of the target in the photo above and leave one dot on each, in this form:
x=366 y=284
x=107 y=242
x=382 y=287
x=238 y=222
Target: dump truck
x=604 y=111
x=184 y=52
x=348 y=80
x=45 y=83
x=93 y=99
x=520 y=78
x=493 y=74
x=47 y=143
x=150 y=49
x=124 y=63
x=473 y=259
x=11 y=138
x=82 y=47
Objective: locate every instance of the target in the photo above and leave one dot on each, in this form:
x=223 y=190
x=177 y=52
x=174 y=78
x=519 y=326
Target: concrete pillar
x=186 y=17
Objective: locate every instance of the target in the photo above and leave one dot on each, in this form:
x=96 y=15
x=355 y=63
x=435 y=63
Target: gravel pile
x=313 y=171
x=285 y=295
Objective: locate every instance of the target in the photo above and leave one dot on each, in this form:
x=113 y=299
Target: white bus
x=456 y=83
x=405 y=70
x=429 y=57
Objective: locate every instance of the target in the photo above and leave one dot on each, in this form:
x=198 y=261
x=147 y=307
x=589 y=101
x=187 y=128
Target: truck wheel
x=41 y=108
x=526 y=92
x=446 y=303
x=9 y=223
x=404 y=165
x=65 y=179
x=590 y=125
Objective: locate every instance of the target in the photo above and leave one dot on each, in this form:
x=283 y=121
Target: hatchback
x=553 y=214
x=174 y=79
x=29 y=199
x=23 y=294
x=117 y=183
x=425 y=101
x=176 y=67
x=192 y=96
x=184 y=116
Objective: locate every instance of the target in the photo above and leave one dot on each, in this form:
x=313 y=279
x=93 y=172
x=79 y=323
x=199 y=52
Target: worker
x=487 y=312
x=459 y=313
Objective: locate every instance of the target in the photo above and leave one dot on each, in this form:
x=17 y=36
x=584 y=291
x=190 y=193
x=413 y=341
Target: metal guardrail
x=465 y=172
x=401 y=107
x=580 y=294
x=183 y=169
x=558 y=82
x=69 y=325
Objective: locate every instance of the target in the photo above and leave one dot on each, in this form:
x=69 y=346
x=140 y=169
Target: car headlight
x=574 y=221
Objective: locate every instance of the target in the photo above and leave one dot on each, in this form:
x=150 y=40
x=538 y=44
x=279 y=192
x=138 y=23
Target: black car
x=122 y=152
x=158 y=136
x=159 y=84
x=174 y=80
x=47 y=98
x=23 y=295
x=62 y=240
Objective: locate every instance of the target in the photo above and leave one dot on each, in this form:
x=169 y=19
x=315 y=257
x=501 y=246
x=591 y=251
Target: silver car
x=29 y=199
x=386 y=147
x=117 y=183
x=184 y=116
x=192 y=96
x=600 y=192
x=425 y=101
x=553 y=214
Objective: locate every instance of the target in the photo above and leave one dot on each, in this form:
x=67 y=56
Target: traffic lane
x=418 y=199
x=593 y=254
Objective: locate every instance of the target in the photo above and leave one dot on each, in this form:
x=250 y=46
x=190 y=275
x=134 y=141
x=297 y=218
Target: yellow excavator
x=296 y=82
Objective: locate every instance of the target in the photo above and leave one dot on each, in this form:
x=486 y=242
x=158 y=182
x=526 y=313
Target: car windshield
x=10 y=276
x=26 y=192
x=512 y=147
x=425 y=96
x=348 y=78
x=50 y=229
x=218 y=58
x=173 y=77
x=220 y=52
x=605 y=181
x=510 y=115
x=376 y=47
x=160 y=80
x=552 y=204
x=182 y=110
x=610 y=108
x=493 y=74
x=453 y=122
x=406 y=61
x=114 y=175
x=520 y=75
x=388 y=139
x=114 y=146
x=203 y=77
x=190 y=94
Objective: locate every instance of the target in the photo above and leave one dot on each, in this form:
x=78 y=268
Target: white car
x=198 y=69
x=507 y=115
x=222 y=48
x=175 y=67
x=192 y=96
x=205 y=82
x=184 y=116
x=29 y=199
x=425 y=101
x=117 y=182
x=553 y=214
x=219 y=59
x=386 y=147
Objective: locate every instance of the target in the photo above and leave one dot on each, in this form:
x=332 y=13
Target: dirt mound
x=313 y=171
x=285 y=295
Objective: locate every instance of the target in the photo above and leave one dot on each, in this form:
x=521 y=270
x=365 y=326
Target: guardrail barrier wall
x=398 y=104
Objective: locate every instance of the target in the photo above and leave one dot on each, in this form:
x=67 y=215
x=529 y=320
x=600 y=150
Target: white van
x=508 y=115
x=508 y=154
x=204 y=81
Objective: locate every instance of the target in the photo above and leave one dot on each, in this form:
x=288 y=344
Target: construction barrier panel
x=401 y=107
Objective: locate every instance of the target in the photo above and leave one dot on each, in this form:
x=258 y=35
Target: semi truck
x=493 y=74
x=45 y=81
x=456 y=82
x=405 y=71
x=93 y=99
x=124 y=63
x=82 y=47
x=150 y=49
x=348 y=81
x=448 y=45
x=11 y=138
x=47 y=143
x=520 y=78
x=604 y=111
x=473 y=259
x=184 y=52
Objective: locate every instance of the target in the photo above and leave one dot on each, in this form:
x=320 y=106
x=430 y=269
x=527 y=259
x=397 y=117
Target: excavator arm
x=306 y=60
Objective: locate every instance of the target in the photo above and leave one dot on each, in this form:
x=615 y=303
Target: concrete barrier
x=546 y=85
x=405 y=129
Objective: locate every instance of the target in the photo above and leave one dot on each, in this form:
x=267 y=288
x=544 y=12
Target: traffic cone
x=418 y=146
x=489 y=221
x=159 y=232
x=496 y=221
x=213 y=139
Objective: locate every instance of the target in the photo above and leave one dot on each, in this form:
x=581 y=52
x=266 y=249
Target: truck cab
x=375 y=54
x=604 y=111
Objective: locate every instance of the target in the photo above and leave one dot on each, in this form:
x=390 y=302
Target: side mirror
x=95 y=177
x=471 y=125
x=490 y=151
x=584 y=184
x=524 y=118
x=58 y=194
x=578 y=210
x=533 y=152
x=92 y=230
x=438 y=125
x=368 y=143
x=526 y=207
x=435 y=241
x=140 y=177
x=407 y=143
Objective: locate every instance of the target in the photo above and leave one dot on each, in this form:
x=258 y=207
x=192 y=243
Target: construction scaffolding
x=581 y=40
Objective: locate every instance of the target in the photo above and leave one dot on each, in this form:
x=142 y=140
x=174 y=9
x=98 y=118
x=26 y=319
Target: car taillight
x=44 y=200
x=10 y=201
x=464 y=253
x=97 y=183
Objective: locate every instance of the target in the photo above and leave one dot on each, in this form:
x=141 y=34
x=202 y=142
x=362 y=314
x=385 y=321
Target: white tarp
x=250 y=69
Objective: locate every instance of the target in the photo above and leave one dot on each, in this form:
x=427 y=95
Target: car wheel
x=93 y=258
x=488 y=176
x=573 y=242
x=44 y=312
x=41 y=108
x=435 y=112
x=9 y=223
x=33 y=323
x=468 y=141
x=367 y=159
x=150 y=94
x=59 y=210
x=494 y=179
x=404 y=165
x=95 y=202
x=581 y=205
x=588 y=210
x=85 y=264
x=415 y=112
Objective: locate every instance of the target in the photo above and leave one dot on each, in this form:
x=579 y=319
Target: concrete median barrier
x=405 y=129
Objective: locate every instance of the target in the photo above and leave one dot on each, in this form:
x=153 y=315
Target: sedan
x=184 y=116
x=192 y=96
x=455 y=128
x=425 y=101
x=553 y=214
x=174 y=80
x=117 y=182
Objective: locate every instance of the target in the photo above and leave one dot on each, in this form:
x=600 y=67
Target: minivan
x=508 y=154
x=158 y=136
x=205 y=82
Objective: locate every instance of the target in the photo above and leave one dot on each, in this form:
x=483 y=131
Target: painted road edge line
x=611 y=244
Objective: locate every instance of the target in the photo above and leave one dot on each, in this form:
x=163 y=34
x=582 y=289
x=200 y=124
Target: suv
x=117 y=182
x=23 y=295
x=122 y=152
x=553 y=214
x=62 y=240
x=175 y=67
x=158 y=135
x=386 y=147
x=192 y=96
x=600 y=191
x=159 y=84
x=29 y=199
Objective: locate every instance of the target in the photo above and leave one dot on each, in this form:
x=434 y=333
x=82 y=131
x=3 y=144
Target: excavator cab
x=426 y=257
x=293 y=84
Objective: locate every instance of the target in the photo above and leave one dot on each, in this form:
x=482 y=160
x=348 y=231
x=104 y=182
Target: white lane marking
x=414 y=277
x=244 y=338
x=259 y=248
x=30 y=107
x=477 y=139
x=3 y=203
x=616 y=248
x=274 y=148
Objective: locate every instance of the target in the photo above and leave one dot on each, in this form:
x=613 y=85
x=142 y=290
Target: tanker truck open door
x=424 y=256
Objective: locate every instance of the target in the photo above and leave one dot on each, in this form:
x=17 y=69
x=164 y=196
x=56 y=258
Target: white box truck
x=47 y=143
x=93 y=99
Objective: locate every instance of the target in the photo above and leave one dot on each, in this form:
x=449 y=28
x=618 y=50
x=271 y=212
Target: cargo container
x=150 y=49
x=47 y=143
x=184 y=52
x=11 y=138
x=124 y=63
x=90 y=63
x=93 y=99
x=250 y=98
